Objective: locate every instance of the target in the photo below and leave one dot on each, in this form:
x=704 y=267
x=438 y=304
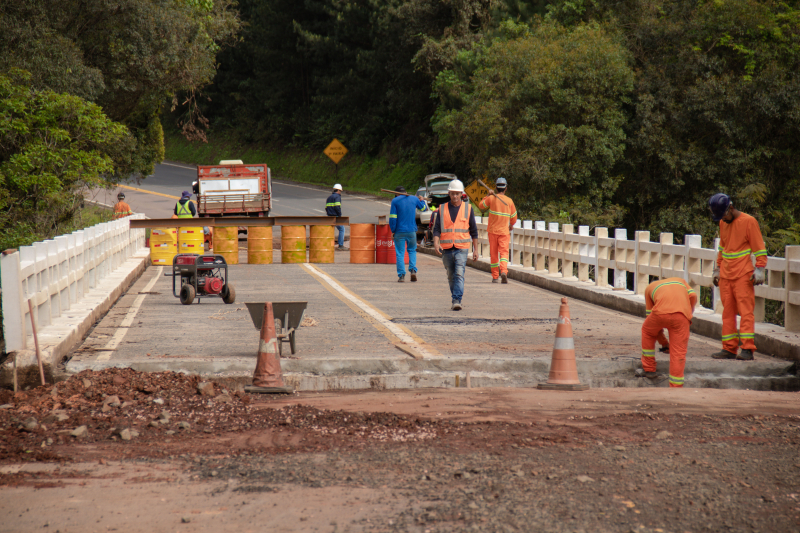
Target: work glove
x=715 y=277
x=759 y=276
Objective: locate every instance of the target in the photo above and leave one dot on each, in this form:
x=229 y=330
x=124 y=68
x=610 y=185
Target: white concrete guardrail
x=559 y=259
x=71 y=281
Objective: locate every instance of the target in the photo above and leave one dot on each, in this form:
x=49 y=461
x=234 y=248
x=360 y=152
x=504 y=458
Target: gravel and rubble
x=604 y=470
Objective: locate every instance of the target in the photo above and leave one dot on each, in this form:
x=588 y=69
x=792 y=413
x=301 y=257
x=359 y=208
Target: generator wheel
x=187 y=294
x=228 y=293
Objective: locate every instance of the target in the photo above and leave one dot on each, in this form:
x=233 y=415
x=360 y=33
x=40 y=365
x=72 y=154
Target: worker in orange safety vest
x=739 y=238
x=502 y=217
x=121 y=208
x=670 y=304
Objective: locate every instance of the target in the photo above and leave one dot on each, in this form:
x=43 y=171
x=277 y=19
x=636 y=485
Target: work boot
x=495 y=280
x=725 y=354
x=342 y=249
x=503 y=278
x=413 y=276
x=640 y=373
x=456 y=306
x=745 y=355
x=664 y=349
x=401 y=278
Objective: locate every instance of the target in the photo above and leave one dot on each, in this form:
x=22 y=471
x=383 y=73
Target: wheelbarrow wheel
x=292 y=344
x=228 y=293
x=187 y=294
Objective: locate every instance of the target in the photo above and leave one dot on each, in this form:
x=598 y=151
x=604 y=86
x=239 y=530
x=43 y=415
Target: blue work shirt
x=403 y=215
x=333 y=205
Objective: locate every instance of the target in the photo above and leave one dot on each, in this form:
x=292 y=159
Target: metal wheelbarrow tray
x=288 y=317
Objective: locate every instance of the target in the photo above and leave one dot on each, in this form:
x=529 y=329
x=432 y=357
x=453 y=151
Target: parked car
x=434 y=193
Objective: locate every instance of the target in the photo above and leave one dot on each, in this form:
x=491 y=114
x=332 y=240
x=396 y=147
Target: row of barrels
x=368 y=244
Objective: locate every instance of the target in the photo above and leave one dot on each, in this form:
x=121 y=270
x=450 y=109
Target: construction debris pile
x=152 y=408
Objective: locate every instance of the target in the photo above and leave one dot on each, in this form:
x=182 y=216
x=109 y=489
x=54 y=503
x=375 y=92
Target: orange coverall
x=670 y=304
x=122 y=209
x=737 y=241
x=501 y=218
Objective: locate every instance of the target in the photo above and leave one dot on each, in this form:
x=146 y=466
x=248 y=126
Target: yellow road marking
x=396 y=333
x=148 y=192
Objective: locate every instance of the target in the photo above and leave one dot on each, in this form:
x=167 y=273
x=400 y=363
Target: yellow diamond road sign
x=335 y=151
x=477 y=192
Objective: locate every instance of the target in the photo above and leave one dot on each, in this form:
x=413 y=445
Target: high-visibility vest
x=183 y=210
x=455 y=233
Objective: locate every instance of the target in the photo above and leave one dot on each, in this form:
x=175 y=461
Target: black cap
x=400 y=188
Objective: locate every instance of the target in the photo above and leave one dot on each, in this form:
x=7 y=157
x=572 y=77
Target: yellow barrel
x=190 y=240
x=362 y=243
x=293 y=244
x=226 y=244
x=320 y=248
x=163 y=245
x=259 y=245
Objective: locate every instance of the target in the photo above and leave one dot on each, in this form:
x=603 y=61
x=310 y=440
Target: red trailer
x=233 y=189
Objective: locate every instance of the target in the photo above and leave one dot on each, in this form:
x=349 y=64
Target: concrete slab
x=358 y=314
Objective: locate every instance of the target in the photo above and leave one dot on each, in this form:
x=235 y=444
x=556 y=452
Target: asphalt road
x=155 y=196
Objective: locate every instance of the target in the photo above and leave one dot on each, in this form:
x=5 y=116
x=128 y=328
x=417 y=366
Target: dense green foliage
x=624 y=113
x=52 y=146
x=130 y=57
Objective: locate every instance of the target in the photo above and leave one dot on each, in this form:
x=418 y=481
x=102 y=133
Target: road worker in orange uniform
x=502 y=218
x=739 y=238
x=121 y=208
x=670 y=304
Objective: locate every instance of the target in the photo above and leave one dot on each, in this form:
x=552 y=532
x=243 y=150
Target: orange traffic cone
x=563 y=370
x=268 y=377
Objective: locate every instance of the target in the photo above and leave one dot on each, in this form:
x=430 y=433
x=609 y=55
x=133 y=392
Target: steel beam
x=215 y=222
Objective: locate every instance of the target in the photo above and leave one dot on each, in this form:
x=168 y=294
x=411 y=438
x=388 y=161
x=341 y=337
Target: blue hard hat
x=501 y=183
x=719 y=204
x=186 y=194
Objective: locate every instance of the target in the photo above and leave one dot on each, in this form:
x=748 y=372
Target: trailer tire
x=187 y=294
x=228 y=293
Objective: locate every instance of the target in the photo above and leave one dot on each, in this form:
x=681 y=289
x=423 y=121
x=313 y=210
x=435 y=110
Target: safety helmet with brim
x=455 y=185
x=719 y=205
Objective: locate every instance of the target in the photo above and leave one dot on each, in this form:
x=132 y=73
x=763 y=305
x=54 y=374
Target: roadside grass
x=356 y=173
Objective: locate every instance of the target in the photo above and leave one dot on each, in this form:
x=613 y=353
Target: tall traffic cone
x=563 y=369
x=268 y=377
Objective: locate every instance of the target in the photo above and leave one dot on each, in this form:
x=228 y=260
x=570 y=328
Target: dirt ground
x=119 y=450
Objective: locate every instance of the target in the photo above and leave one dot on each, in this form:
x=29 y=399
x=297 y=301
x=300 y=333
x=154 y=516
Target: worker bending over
x=121 y=209
x=502 y=217
x=670 y=304
x=739 y=238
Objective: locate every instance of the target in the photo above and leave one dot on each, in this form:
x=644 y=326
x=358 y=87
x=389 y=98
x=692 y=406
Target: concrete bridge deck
x=357 y=315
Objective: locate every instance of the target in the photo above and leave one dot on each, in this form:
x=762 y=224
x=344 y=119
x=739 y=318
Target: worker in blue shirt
x=403 y=223
x=333 y=208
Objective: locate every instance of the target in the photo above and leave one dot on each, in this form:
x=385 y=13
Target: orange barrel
x=384 y=245
x=190 y=241
x=259 y=245
x=293 y=244
x=320 y=249
x=226 y=243
x=362 y=243
x=163 y=245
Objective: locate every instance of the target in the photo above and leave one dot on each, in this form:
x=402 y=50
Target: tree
x=542 y=107
x=129 y=56
x=52 y=147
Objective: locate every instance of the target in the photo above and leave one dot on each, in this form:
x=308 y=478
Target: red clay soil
x=164 y=450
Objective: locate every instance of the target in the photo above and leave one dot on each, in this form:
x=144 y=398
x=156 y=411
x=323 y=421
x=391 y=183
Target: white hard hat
x=337 y=186
x=455 y=185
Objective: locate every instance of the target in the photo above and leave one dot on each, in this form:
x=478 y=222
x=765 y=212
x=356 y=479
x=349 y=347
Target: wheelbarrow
x=288 y=316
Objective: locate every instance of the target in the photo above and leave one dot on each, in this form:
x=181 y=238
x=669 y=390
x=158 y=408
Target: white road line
x=122 y=329
x=179 y=166
x=317 y=210
x=373 y=313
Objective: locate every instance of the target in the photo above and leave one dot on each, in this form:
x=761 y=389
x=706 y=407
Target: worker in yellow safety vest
x=184 y=208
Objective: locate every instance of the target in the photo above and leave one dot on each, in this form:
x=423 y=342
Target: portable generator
x=201 y=276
